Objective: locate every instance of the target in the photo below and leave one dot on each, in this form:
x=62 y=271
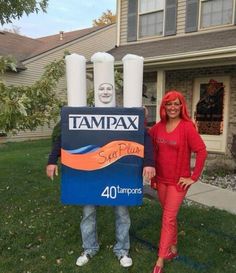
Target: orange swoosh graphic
x=102 y=157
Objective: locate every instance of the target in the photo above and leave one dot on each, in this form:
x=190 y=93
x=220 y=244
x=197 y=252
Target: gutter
x=203 y=55
x=118 y=8
x=196 y=55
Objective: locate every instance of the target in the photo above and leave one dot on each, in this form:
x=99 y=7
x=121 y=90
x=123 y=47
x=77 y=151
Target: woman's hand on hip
x=185 y=182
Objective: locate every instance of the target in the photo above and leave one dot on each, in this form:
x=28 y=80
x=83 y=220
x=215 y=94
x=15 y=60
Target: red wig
x=170 y=96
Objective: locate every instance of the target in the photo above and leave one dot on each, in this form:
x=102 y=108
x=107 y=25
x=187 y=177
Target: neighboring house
x=185 y=44
x=33 y=55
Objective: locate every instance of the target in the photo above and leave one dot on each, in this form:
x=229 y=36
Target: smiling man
x=105 y=92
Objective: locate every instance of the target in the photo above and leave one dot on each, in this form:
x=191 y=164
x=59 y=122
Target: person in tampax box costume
x=105 y=98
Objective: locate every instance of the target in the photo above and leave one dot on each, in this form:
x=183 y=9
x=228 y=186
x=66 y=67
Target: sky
x=62 y=15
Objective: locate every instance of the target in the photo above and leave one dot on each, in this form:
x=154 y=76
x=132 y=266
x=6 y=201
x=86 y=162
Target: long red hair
x=170 y=96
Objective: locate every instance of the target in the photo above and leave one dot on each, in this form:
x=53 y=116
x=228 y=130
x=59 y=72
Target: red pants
x=170 y=200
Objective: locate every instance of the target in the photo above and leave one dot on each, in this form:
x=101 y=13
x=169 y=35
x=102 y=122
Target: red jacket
x=173 y=152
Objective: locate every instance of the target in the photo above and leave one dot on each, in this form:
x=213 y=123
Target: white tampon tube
x=104 y=83
x=132 y=80
x=76 y=80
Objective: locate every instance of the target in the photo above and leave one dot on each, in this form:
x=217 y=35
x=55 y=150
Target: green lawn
x=40 y=235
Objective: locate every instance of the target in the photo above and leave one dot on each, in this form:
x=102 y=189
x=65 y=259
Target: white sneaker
x=126 y=261
x=82 y=260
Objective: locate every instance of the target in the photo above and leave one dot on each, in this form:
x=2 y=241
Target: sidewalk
x=205 y=194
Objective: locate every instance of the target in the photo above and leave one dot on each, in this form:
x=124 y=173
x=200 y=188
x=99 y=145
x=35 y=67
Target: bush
x=56 y=131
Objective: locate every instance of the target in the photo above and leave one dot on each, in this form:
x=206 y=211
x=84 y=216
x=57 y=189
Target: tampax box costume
x=102 y=155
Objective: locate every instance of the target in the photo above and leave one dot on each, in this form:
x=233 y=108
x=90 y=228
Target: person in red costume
x=175 y=138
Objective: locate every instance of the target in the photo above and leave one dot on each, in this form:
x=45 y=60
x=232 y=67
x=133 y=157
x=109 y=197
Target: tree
x=14 y=9
x=27 y=107
x=7 y=62
x=107 y=18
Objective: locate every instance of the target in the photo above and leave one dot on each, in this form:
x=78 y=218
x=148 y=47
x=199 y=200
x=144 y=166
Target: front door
x=210 y=111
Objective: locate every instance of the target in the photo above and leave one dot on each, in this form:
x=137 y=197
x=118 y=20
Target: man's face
x=105 y=92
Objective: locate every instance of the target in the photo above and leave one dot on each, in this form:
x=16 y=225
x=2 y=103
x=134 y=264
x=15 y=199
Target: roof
x=54 y=41
x=23 y=47
x=17 y=45
x=178 y=45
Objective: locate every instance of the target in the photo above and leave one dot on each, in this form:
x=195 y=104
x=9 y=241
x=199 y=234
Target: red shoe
x=158 y=269
x=171 y=255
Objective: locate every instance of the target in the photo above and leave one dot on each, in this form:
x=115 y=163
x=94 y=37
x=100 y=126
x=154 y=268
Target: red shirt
x=173 y=152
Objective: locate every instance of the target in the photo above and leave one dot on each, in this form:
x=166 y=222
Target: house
x=33 y=55
x=188 y=45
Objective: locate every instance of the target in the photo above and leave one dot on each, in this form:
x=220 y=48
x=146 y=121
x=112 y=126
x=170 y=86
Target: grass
x=40 y=235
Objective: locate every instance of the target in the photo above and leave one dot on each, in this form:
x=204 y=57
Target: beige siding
x=123 y=21
x=181 y=11
x=102 y=40
x=41 y=132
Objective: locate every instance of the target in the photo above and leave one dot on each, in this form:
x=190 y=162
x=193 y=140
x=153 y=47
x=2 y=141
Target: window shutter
x=235 y=14
x=132 y=20
x=170 y=17
x=192 y=7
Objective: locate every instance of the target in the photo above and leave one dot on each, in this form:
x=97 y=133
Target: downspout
x=118 y=8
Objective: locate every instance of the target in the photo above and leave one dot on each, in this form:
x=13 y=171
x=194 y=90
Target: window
x=216 y=12
x=151 y=17
x=149 y=96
